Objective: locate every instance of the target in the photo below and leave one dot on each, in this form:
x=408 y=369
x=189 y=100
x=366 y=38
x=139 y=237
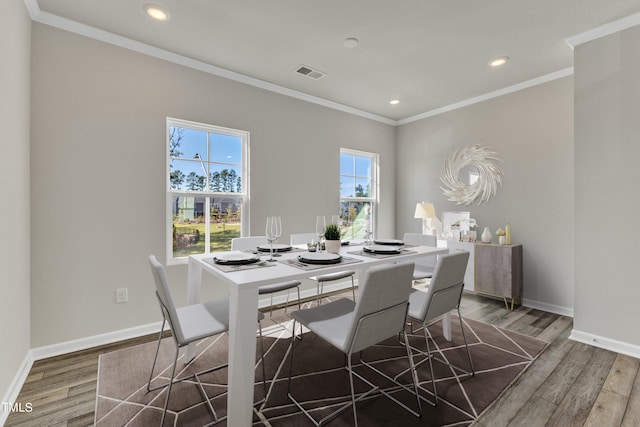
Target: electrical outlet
x=121 y=296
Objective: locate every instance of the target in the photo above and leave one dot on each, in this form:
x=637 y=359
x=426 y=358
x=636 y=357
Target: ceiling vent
x=310 y=72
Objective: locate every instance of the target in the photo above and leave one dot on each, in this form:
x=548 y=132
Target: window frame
x=208 y=195
x=373 y=197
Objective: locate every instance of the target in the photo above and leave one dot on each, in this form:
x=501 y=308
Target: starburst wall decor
x=472 y=157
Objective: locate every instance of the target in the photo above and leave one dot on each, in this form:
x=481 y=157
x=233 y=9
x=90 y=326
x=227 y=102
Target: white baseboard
x=93 y=341
x=551 y=308
x=605 y=343
x=16 y=385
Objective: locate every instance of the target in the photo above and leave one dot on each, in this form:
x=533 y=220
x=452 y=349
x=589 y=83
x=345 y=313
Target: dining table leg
x=194 y=283
x=446 y=326
x=242 y=355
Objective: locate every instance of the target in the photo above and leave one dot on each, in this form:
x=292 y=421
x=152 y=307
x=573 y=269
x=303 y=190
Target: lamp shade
x=425 y=211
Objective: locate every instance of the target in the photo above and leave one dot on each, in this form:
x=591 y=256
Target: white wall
x=532 y=132
x=98 y=165
x=607 y=149
x=15 y=40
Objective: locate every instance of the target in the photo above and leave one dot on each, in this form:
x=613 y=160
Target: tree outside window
x=207 y=170
x=358 y=194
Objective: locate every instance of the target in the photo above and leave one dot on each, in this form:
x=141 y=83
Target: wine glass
x=270 y=233
x=320 y=226
x=277 y=232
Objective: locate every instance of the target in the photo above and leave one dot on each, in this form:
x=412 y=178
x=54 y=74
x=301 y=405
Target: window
x=358 y=193
x=208 y=189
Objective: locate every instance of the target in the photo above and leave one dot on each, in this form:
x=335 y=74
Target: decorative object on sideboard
x=501 y=236
x=486 y=235
x=507 y=230
x=484 y=176
x=430 y=222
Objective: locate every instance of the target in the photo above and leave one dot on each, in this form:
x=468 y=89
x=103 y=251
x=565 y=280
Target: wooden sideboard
x=498 y=271
x=493 y=269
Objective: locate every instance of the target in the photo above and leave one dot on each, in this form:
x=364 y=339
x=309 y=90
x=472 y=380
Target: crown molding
x=56 y=21
x=94 y=33
x=604 y=30
x=500 y=92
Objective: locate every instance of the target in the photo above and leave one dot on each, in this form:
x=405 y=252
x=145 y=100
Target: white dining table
x=243 y=295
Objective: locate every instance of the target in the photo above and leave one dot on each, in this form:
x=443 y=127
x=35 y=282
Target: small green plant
x=332 y=232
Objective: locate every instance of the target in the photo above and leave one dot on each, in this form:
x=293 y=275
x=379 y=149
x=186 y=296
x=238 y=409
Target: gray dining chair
x=304 y=238
x=188 y=325
x=424 y=267
x=351 y=327
x=442 y=296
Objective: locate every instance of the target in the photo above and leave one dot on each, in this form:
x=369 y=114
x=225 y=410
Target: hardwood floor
x=570 y=384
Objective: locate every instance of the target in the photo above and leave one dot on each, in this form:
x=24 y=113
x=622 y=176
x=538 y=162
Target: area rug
x=319 y=380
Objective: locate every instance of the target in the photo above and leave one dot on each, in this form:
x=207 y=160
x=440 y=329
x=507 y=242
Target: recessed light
x=499 y=61
x=394 y=102
x=350 y=42
x=156 y=12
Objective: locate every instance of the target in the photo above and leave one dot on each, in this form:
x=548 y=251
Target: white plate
x=388 y=242
x=280 y=247
x=382 y=249
x=236 y=257
x=319 y=258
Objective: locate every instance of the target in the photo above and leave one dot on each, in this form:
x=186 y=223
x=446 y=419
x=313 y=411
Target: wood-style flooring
x=570 y=384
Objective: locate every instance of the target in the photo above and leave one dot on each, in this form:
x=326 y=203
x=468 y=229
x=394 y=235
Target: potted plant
x=332 y=238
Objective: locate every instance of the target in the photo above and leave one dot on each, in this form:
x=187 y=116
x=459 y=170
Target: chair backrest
x=166 y=300
x=419 y=239
x=247 y=243
x=445 y=289
x=303 y=238
x=381 y=308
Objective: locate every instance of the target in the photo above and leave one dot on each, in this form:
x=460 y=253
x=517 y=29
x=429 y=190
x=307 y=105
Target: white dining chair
x=379 y=313
x=424 y=267
x=252 y=243
x=188 y=325
x=442 y=296
x=303 y=239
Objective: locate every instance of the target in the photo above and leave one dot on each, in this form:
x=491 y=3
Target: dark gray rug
x=319 y=380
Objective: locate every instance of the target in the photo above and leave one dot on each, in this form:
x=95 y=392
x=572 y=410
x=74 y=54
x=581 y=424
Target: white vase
x=332 y=246
x=486 y=235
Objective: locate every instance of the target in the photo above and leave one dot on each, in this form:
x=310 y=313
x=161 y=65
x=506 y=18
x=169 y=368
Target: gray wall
x=532 y=131
x=607 y=149
x=98 y=173
x=15 y=39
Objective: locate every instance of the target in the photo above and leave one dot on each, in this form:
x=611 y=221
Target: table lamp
x=430 y=222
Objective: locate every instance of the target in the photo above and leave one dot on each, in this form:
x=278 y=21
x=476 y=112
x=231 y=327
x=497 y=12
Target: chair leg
x=430 y=357
x=291 y=361
x=414 y=374
x=353 y=394
x=286 y=306
x=270 y=304
x=299 y=308
x=153 y=367
x=464 y=336
x=264 y=370
x=318 y=291
x=173 y=374
x=353 y=288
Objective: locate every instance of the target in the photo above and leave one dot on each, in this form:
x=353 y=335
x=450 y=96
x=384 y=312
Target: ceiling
x=428 y=54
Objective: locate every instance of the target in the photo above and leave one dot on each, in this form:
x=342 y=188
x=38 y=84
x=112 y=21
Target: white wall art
x=478 y=162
